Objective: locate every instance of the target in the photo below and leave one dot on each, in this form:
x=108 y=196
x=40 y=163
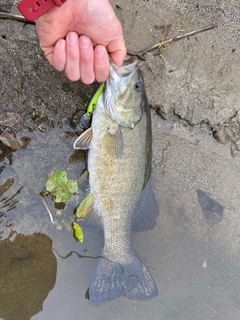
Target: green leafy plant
x=60 y=187
x=84 y=97
x=66 y=87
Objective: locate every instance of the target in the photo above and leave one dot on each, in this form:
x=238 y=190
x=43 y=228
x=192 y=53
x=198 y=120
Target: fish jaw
x=129 y=66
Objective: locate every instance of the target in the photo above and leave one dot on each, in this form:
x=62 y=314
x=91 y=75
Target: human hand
x=77 y=37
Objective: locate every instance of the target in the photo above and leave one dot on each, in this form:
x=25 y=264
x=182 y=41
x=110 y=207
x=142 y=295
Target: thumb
x=118 y=56
x=117 y=50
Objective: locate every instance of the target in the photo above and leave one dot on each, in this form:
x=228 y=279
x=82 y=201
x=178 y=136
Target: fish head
x=124 y=94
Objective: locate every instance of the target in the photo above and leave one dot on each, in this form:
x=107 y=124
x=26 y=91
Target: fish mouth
x=120 y=80
x=129 y=65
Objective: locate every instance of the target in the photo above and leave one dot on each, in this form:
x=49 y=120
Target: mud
x=196 y=83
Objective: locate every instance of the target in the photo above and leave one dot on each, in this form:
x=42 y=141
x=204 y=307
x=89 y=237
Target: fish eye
x=138 y=86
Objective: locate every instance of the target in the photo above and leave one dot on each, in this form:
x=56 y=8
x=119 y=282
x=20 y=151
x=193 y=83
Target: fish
x=119 y=144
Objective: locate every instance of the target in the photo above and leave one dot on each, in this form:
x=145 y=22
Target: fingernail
x=100 y=51
x=73 y=38
x=85 y=42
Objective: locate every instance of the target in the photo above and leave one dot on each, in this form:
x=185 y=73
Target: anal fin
x=92 y=221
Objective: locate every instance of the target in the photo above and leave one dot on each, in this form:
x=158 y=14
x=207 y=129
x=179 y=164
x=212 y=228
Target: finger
x=87 y=59
x=117 y=47
x=72 y=69
x=58 y=57
x=101 y=63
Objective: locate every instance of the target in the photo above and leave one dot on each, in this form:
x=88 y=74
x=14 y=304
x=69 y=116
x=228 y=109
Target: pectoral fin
x=114 y=142
x=83 y=142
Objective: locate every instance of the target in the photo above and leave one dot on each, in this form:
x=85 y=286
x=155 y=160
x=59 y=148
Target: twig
x=10 y=16
x=162 y=43
x=49 y=212
x=166 y=30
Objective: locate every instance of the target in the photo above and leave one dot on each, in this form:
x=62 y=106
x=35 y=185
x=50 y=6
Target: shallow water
x=193 y=253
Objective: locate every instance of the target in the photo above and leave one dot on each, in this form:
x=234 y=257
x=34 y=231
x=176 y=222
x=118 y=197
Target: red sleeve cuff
x=33 y=9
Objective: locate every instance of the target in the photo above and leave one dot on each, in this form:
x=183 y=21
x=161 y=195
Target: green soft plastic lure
x=85 y=120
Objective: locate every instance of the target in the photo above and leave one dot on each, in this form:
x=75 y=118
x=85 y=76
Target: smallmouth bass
x=119 y=165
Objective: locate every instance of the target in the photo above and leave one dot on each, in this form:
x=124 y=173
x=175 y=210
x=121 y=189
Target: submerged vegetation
x=60 y=187
x=85 y=206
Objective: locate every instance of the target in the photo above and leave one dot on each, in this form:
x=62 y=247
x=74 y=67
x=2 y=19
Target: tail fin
x=111 y=280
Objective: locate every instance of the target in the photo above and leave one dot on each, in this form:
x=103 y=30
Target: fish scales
x=119 y=165
x=117 y=182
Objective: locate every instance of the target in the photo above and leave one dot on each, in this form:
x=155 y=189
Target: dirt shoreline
x=197 y=82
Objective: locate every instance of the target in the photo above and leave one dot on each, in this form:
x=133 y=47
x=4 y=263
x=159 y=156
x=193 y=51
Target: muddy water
x=193 y=253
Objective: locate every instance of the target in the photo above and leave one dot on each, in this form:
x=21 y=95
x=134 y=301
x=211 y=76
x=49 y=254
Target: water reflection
x=28 y=273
